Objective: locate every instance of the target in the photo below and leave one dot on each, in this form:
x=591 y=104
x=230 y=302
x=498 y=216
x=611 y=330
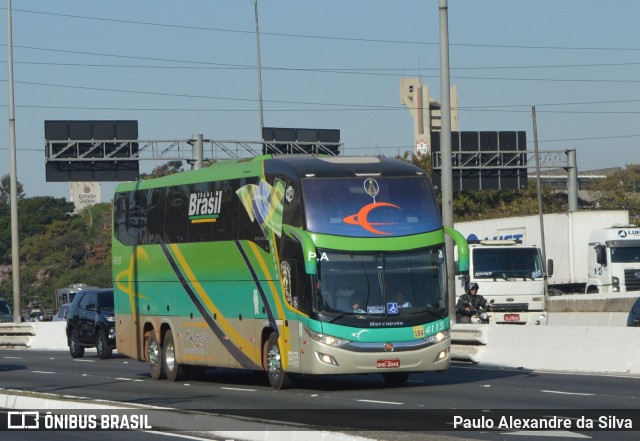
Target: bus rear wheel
x=153 y=353
x=272 y=360
x=174 y=370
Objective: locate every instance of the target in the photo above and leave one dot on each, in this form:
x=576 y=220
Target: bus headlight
x=437 y=338
x=327 y=339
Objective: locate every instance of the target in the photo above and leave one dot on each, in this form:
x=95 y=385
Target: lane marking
x=566 y=393
x=238 y=388
x=13 y=358
x=380 y=402
x=42 y=372
x=127 y=379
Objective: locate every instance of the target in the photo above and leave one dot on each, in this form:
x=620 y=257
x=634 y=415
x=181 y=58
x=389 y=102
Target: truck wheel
x=102 y=345
x=174 y=370
x=153 y=354
x=395 y=378
x=75 y=349
x=272 y=360
x=555 y=292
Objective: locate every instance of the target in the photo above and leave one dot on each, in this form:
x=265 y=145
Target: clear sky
x=187 y=67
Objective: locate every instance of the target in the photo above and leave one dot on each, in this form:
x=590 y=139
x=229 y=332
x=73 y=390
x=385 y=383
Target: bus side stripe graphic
x=235 y=352
x=263 y=296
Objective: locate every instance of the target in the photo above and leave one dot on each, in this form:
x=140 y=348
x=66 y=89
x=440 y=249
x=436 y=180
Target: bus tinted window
x=367 y=207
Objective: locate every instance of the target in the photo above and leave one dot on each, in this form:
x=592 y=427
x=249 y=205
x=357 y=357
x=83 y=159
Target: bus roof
x=293 y=165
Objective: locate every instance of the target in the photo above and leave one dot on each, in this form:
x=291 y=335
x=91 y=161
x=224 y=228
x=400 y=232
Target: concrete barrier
x=12 y=334
x=588 y=349
x=596 y=349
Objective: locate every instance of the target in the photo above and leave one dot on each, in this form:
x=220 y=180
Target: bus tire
x=395 y=378
x=75 y=349
x=174 y=370
x=102 y=345
x=153 y=355
x=272 y=360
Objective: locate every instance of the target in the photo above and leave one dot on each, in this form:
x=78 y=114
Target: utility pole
x=446 y=180
x=13 y=180
x=255 y=5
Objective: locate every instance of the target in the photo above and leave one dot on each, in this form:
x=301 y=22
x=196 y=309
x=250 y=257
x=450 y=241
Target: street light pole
x=446 y=174
x=255 y=5
x=13 y=181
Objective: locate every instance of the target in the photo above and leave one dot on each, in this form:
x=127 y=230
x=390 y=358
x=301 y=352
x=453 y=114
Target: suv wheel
x=153 y=353
x=102 y=345
x=75 y=349
x=174 y=370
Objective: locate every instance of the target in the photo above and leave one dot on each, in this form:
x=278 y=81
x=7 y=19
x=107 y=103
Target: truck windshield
x=388 y=284
x=625 y=255
x=490 y=263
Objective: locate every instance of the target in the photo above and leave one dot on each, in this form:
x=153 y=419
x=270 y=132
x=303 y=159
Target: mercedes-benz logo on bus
x=371 y=187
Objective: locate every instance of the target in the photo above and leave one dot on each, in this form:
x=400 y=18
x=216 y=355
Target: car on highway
x=62 y=313
x=91 y=323
x=634 y=314
x=5 y=312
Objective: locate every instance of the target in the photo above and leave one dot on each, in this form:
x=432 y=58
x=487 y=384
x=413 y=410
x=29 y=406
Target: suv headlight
x=326 y=339
x=110 y=318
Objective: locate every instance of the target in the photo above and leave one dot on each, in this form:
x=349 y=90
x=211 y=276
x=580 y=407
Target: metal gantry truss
x=504 y=159
x=179 y=150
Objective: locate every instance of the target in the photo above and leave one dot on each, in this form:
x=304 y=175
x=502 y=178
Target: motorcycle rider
x=469 y=302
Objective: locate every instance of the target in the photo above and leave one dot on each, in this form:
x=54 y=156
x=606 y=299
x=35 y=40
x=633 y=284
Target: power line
x=326 y=37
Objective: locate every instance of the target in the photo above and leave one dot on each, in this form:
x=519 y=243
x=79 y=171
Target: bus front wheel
x=272 y=360
x=153 y=353
x=174 y=370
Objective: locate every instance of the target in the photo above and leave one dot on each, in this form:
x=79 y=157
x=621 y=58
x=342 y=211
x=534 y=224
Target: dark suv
x=91 y=322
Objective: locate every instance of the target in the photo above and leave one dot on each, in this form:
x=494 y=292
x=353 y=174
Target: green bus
x=290 y=264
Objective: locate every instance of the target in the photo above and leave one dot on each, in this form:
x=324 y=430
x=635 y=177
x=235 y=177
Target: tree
x=167 y=169
x=619 y=191
x=5 y=189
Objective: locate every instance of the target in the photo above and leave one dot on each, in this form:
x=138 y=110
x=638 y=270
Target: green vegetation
x=58 y=248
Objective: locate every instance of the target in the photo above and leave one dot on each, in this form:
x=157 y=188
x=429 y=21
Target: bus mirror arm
x=463 y=249
x=308 y=247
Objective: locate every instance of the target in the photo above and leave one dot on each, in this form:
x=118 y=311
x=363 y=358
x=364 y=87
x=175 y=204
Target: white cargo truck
x=587 y=251
x=511 y=275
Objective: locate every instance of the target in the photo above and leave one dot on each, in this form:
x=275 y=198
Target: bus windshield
x=381 y=283
x=370 y=207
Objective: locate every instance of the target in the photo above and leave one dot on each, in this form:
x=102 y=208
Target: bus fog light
x=329 y=359
x=442 y=355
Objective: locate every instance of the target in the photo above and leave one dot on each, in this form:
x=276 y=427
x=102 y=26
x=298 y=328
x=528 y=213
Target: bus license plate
x=512 y=317
x=386 y=364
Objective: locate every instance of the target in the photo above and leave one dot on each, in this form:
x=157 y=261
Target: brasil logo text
x=204 y=207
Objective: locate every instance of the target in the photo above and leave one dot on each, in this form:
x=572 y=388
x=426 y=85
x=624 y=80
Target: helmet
x=472 y=285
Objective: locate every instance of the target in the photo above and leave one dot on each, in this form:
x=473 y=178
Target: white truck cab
x=614 y=259
x=512 y=275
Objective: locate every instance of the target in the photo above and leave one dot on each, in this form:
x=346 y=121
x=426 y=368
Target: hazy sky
x=187 y=67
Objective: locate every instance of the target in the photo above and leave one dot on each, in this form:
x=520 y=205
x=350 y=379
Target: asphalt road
x=425 y=408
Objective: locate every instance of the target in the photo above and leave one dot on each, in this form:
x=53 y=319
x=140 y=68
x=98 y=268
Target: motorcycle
x=480 y=316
